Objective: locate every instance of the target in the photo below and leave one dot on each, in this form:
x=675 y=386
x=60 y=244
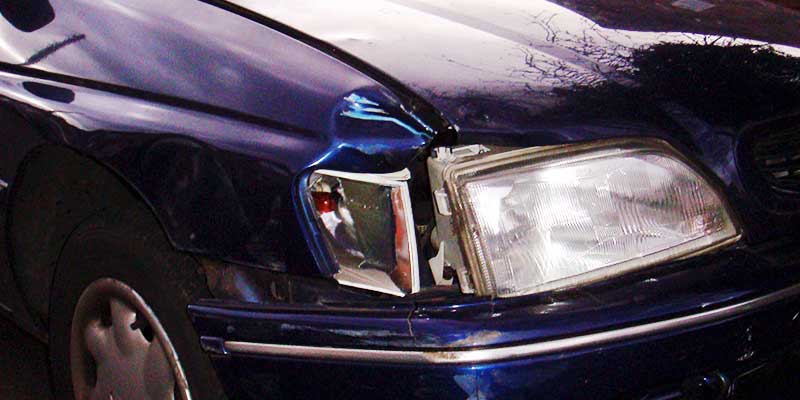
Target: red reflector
x=324 y=202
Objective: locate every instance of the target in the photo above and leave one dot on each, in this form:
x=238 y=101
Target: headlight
x=366 y=223
x=537 y=219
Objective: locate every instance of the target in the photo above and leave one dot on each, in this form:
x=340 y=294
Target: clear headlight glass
x=537 y=219
x=367 y=226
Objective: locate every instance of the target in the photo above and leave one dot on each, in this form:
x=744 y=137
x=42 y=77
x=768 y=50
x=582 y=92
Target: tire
x=129 y=246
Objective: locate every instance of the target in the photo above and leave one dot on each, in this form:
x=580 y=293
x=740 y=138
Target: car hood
x=511 y=65
x=709 y=76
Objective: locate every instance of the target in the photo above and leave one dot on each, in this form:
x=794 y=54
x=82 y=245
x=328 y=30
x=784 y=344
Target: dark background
x=23 y=365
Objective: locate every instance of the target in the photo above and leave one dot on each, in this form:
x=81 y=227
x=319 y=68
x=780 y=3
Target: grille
x=777 y=155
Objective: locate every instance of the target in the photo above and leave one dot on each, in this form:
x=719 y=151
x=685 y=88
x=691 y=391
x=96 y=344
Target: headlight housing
x=367 y=226
x=537 y=219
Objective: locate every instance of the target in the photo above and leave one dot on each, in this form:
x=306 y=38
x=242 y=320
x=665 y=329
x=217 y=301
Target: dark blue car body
x=215 y=113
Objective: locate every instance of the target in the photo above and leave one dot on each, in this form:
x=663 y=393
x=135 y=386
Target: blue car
x=391 y=199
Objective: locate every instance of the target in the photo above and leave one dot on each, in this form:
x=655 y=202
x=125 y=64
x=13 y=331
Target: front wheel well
x=57 y=188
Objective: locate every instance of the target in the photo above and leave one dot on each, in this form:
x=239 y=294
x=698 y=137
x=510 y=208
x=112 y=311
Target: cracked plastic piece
x=368 y=228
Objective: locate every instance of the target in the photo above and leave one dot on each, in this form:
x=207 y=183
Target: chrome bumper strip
x=491 y=354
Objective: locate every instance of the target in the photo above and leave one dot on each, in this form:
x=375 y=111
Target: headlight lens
x=368 y=229
x=538 y=219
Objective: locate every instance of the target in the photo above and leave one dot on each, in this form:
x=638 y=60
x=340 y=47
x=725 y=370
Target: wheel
x=118 y=348
x=118 y=325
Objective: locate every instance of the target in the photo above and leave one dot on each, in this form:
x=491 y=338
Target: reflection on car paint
x=224 y=114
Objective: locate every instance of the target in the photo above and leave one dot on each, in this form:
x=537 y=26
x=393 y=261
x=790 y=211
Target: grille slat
x=777 y=156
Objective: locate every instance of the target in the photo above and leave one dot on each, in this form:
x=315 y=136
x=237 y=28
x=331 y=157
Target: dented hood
x=512 y=64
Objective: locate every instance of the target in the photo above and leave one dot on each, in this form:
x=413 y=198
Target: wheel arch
x=55 y=189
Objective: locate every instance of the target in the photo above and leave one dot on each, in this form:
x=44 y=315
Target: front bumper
x=659 y=335
x=654 y=360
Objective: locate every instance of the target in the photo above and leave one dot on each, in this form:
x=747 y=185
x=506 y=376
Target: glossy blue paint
x=444 y=322
x=351 y=325
x=379 y=115
x=536 y=72
x=216 y=115
x=215 y=133
x=652 y=366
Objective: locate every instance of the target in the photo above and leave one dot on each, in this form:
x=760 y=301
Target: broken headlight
x=366 y=223
x=545 y=218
